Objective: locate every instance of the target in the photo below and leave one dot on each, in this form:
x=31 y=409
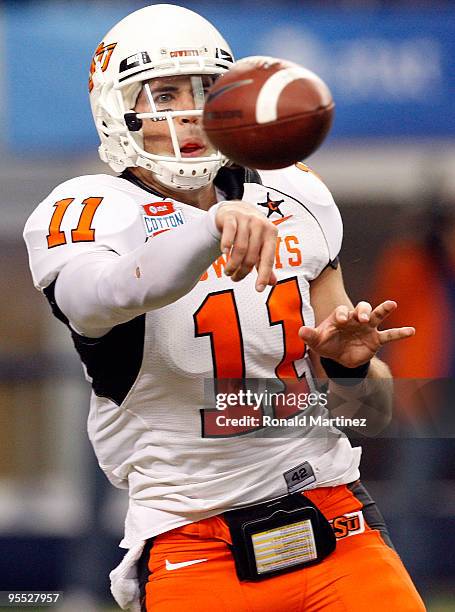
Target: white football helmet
x=161 y=40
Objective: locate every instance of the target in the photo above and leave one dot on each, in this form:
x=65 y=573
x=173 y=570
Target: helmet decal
x=138 y=59
x=224 y=55
x=101 y=57
x=185 y=53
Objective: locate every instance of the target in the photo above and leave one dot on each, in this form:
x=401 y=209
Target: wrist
x=214 y=227
x=342 y=375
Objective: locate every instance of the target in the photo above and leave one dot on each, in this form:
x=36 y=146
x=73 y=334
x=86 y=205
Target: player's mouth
x=192 y=148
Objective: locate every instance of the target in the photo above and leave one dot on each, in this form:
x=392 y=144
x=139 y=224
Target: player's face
x=175 y=93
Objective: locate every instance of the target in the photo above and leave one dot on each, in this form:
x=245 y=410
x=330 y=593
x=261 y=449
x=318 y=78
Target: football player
x=171 y=273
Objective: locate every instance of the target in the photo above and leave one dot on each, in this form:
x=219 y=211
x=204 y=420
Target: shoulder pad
x=87 y=213
x=303 y=184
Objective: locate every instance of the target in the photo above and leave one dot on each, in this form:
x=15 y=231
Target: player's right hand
x=250 y=241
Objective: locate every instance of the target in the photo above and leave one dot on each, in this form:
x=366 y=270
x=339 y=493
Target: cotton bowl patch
x=160 y=217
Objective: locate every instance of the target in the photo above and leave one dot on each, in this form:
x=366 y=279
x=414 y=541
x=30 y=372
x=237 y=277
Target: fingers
x=229 y=231
x=251 y=241
x=381 y=312
x=273 y=279
x=266 y=275
x=362 y=312
x=309 y=335
x=341 y=314
x=242 y=248
x=397 y=333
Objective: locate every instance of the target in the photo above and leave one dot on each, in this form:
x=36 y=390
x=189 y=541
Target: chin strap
x=229 y=179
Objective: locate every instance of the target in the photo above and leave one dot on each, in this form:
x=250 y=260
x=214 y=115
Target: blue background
x=390 y=70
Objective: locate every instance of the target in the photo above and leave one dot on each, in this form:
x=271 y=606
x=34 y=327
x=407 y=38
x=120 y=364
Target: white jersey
x=151 y=422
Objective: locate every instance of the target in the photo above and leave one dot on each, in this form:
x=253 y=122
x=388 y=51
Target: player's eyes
x=208 y=84
x=163 y=98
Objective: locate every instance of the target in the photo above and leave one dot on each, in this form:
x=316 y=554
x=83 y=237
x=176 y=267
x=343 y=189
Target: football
x=268 y=113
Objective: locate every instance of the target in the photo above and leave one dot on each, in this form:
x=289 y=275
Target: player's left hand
x=351 y=337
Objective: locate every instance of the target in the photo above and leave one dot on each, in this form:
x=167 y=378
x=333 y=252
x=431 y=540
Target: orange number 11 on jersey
x=83 y=232
x=218 y=318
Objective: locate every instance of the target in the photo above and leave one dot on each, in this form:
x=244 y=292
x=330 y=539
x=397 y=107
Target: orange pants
x=363 y=574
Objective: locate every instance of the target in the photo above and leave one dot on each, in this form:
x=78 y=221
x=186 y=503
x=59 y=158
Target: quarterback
x=171 y=274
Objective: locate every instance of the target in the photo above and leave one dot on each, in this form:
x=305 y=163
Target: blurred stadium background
x=390 y=164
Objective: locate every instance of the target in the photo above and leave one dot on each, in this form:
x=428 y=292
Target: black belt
x=278 y=536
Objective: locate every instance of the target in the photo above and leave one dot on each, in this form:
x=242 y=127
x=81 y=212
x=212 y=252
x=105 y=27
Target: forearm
x=370 y=400
x=99 y=290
